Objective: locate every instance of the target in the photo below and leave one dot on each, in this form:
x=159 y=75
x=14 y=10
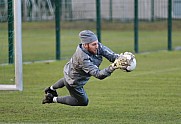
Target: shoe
x=48 y=98
x=53 y=92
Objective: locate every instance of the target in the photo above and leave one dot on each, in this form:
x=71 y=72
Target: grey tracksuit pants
x=78 y=96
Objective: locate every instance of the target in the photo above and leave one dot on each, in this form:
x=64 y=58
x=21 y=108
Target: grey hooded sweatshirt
x=83 y=65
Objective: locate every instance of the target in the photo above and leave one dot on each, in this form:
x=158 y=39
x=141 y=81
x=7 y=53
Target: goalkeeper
x=84 y=63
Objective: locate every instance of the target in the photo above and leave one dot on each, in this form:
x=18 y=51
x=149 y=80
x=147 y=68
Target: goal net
x=10 y=45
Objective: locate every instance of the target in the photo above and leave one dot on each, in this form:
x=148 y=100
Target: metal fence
x=80 y=10
x=117 y=18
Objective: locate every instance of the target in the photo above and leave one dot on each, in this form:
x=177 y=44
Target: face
x=92 y=47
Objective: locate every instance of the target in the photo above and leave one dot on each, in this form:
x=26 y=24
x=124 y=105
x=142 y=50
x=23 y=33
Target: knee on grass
x=83 y=103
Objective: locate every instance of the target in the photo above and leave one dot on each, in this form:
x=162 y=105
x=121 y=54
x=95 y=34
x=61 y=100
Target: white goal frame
x=17 y=49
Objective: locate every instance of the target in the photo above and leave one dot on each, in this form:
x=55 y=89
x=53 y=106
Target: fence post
x=169 y=24
x=98 y=19
x=110 y=10
x=152 y=10
x=10 y=32
x=136 y=26
x=57 y=28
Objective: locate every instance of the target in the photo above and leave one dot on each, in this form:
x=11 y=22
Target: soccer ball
x=131 y=61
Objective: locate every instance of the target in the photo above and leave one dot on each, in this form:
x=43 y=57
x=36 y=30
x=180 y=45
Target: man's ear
x=86 y=45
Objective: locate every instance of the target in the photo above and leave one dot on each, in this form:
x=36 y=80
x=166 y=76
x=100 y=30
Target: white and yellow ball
x=131 y=61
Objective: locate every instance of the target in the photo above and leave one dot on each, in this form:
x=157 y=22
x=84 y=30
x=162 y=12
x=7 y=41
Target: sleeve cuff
x=110 y=69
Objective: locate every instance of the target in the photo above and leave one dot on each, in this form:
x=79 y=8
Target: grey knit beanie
x=87 y=36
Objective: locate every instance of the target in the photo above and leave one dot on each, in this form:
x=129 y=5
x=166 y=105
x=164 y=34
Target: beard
x=93 y=52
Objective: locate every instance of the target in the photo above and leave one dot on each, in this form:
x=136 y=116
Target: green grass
x=150 y=94
x=38 y=38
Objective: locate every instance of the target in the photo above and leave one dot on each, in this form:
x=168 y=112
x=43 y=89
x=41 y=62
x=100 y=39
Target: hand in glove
x=120 y=63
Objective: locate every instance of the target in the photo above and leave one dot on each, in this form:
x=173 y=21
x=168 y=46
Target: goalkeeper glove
x=120 y=63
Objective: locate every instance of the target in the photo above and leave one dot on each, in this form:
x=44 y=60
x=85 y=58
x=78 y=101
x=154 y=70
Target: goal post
x=17 y=49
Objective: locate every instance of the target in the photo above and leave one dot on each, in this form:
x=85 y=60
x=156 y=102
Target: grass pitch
x=150 y=94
